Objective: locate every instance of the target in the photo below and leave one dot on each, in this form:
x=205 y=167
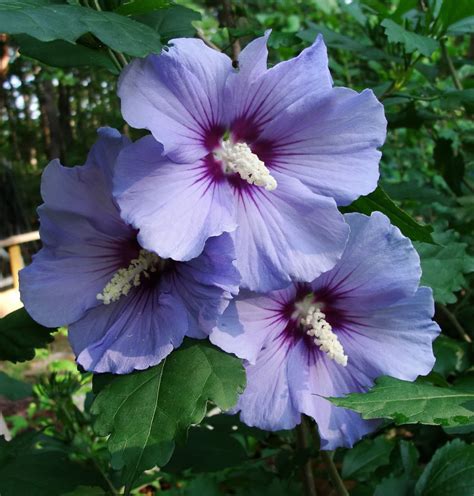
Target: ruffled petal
x=286 y=234
x=84 y=240
x=133 y=333
x=254 y=102
x=329 y=142
x=396 y=340
x=176 y=207
x=178 y=96
x=379 y=266
x=205 y=285
x=266 y=402
x=312 y=376
x=249 y=321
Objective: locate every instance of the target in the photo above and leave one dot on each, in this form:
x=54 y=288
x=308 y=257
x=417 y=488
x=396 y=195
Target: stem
x=328 y=459
x=452 y=69
x=208 y=42
x=455 y=322
x=302 y=444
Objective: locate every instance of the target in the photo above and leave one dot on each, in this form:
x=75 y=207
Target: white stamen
x=315 y=324
x=239 y=158
x=125 y=279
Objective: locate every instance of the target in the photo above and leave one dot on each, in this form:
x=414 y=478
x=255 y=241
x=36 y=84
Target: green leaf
x=28 y=470
x=20 y=335
x=450 y=471
x=451 y=356
x=367 y=456
x=163 y=402
x=444 y=265
x=411 y=41
x=69 y=22
x=63 y=54
x=135 y=7
x=411 y=403
x=175 y=22
x=452 y=15
x=14 y=389
x=380 y=201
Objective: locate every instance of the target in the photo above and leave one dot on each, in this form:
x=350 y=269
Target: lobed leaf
x=411 y=402
x=411 y=41
x=146 y=411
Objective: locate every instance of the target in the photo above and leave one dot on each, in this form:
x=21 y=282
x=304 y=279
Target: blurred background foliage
x=58 y=76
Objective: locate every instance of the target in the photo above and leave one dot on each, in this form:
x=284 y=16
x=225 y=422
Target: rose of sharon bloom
x=126 y=307
x=266 y=151
x=365 y=318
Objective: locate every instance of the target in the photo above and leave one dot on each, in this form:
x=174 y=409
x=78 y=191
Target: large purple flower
x=365 y=318
x=126 y=307
x=266 y=151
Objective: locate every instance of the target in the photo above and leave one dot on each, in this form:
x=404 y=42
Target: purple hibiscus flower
x=126 y=307
x=365 y=318
x=264 y=151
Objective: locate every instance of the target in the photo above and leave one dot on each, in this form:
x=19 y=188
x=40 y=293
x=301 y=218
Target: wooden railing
x=12 y=244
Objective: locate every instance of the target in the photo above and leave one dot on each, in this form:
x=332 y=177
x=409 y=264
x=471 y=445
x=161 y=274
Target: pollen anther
x=239 y=158
x=315 y=324
x=125 y=279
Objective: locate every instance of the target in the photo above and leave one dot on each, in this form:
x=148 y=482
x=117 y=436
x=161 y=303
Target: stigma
x=239 y=158
x=314 y=323
x=125 y=279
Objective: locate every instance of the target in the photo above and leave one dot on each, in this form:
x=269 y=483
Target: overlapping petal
x=286 y=234
x=80 y=230
x=206 y=284
x=132 y=333
x=177 y=207
x=256 y=102
x=378 y=268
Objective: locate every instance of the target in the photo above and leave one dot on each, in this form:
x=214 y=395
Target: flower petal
x=312 y=377
x=394 y=341
x=84 y=239
x=255 y=102
x=205 y=285
x=286 y=234
x=133 y=333
x=176 y=207
x=248 y=321
x=329 y=142
x=178 y=96
x=379 y=266
x=266 y=402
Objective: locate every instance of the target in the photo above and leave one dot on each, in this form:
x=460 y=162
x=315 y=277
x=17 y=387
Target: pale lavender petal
x=286 y=234
x=176 y=207
x=312 y=376
x=249 y=321
x=329 y=142
x=266 y=402
x=178 y=96
x=379 y=266
x=396 y=340
x=255 y=102
x=84 y=239
x=133 y=333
